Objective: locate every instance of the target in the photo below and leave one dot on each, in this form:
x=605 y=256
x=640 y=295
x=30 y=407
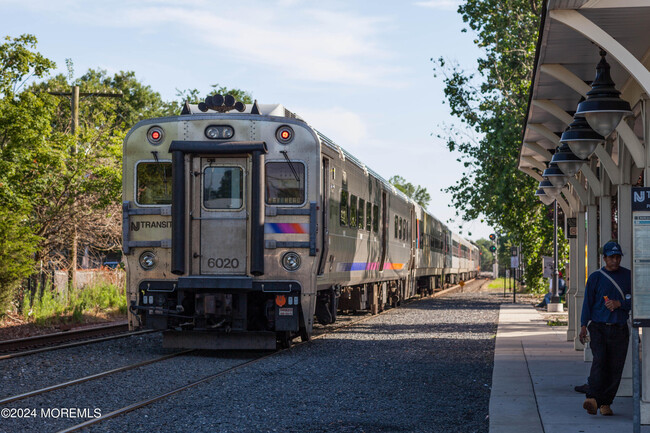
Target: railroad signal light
x=492 y=236
x=493 y=248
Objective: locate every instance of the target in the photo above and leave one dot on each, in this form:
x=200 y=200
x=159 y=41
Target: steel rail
x=151 y=400
x=77 y=343
x=89 y=378
x=39 y=340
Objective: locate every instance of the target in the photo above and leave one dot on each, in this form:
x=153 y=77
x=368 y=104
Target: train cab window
x=285 y=184
x=360 y=216
x=375 y=218
x=154 y=183
x=368 y=216
x=344 y=208
x=396 y=227
x=353 y=211
x=223 y=187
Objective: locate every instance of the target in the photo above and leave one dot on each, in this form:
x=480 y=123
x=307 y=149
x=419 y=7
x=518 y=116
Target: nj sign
x=640 y=199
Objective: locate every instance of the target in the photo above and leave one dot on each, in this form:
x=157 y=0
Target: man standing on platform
x=605 y=311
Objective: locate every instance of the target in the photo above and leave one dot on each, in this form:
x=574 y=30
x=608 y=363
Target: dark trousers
x=609 y=347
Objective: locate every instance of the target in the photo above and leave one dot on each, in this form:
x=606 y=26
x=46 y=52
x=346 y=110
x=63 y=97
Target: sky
x=358 y=71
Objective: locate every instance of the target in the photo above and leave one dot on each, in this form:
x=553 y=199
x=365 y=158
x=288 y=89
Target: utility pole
x=74 y=95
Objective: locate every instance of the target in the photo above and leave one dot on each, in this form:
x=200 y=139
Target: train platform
x=535 y=371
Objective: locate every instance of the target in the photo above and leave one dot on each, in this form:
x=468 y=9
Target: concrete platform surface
x=535 y=370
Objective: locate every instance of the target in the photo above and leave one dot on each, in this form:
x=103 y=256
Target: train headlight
x=148 y=260
x=284 y=134
x=216 y=132
x=291 y=261
x=155 y=135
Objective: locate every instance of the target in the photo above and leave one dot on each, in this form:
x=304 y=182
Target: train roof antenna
x=255 y=109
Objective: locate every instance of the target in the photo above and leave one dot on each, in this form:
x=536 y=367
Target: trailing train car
x=241 y=228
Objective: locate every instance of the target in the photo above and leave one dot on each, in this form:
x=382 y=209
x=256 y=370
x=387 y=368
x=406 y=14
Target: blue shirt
x=599 y=286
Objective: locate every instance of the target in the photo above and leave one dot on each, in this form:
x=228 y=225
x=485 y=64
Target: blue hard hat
x=612 y=248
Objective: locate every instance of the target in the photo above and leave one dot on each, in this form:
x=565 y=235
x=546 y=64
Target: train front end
x=219 y=226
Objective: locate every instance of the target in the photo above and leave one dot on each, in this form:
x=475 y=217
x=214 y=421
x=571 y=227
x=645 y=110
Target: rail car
x=242 y=228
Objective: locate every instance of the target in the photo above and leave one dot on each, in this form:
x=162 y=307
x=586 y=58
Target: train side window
x=396 y=226
x=353 y=211
x=223 y=187
x=375 y=218
x=368 y=216
x=282 y=187
x=401 y=228
x=361 y=210
x=344 y=208
x=154 y=183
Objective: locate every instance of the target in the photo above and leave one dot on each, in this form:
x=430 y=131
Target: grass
x=499 y=282
x=557 y=322
x=99 y=301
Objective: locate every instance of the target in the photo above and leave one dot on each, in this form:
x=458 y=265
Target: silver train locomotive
x=242 y=228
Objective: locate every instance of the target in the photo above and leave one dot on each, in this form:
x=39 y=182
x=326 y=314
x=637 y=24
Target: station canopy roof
x=562 y=48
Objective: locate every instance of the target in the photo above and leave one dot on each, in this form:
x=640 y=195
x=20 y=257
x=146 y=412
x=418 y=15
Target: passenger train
x=242 y=224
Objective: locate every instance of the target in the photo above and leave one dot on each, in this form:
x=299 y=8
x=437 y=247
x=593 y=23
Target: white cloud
x=346 y=128
x=298 y=40
x=446 y=5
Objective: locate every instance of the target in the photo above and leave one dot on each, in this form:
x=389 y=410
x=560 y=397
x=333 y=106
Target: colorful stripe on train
x=363 y=266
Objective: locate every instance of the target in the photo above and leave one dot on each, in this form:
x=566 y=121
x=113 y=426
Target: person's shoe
x=582 y=388
x=605 y=410
x=591 y=406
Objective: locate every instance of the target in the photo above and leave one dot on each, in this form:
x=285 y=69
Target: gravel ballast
x=424 y=367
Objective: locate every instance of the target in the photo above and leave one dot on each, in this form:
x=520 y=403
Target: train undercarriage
x=223 y=319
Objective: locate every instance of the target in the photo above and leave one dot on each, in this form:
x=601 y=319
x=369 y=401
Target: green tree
x=24 y=158
x=194 y=96
x=88 y=191
x=492 y=103
x=417 y=193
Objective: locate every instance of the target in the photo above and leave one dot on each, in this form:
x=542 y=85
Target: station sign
x=641 y=257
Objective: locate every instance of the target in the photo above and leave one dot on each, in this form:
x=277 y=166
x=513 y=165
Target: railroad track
x=320 y=332
x=326 y=331
x=41 y=343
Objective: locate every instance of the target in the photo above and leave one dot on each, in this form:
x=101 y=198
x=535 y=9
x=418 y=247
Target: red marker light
x=155 y=135
x=284 y=134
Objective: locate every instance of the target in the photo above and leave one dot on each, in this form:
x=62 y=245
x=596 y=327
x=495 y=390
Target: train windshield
x=154 y=183
x=283 y=185
x=223 y=187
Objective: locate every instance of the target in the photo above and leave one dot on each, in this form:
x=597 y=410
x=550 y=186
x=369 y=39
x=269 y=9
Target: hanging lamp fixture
x=567 y=161
x=581 y=138
x=603 y=107
x=541 y=195
x=556 y=176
